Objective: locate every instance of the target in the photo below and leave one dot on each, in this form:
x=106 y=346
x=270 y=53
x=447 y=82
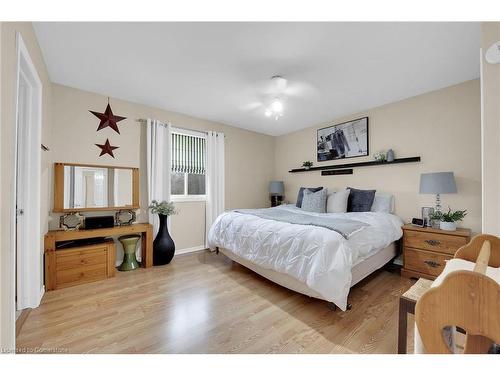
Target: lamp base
x=276 y=200
x=438 y=203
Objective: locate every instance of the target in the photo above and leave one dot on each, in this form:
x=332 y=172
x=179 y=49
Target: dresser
x=88 y=263
x=83 y=264
x=426 y=250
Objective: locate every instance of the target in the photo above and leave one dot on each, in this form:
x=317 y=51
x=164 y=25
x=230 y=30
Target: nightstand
x=426 y=250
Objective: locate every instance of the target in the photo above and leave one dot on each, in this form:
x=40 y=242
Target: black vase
x=163 y=245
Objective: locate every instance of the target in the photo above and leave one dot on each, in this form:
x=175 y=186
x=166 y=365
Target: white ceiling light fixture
x=278 y=87
x=275 y=95
x=275 y=109
x=277 y=106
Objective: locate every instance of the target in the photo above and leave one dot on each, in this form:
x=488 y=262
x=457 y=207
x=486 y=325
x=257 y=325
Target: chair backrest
x=466 y=299
x=471 y=251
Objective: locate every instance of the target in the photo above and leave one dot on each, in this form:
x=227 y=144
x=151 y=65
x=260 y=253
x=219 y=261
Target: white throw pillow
x=337 y=201
x=383 y=202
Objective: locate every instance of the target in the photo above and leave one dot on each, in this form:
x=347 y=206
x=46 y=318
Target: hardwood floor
x=204 y=303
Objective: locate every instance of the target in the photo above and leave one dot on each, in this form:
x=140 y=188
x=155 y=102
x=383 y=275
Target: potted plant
x=448 y=220
x=163 y=245
x=307 y=164
x=379 y=156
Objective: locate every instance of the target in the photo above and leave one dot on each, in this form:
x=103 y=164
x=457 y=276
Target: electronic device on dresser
x=97 y=222
x=418 y=222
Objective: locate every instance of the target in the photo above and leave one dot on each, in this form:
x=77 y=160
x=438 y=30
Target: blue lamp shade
x=276 y=188
x=438 y=183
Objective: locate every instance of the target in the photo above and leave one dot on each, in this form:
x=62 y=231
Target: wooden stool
x=407 y=304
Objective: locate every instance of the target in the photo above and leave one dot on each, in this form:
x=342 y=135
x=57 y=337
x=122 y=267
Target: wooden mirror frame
x=59 y=188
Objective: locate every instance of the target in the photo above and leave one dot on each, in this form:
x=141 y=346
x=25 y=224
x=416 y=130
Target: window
x=188 y=165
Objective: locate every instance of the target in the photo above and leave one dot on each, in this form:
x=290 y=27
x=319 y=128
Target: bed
x=319 y=255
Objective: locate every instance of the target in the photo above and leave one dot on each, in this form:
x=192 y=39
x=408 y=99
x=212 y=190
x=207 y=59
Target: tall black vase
x=163 y=245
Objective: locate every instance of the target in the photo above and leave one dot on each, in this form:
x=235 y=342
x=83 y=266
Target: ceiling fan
x=271 y=95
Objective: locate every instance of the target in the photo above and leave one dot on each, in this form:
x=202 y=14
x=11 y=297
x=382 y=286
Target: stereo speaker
x=96 y=222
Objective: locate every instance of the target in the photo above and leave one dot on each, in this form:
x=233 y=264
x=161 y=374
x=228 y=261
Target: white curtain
x=158 y=165
x=214 y=178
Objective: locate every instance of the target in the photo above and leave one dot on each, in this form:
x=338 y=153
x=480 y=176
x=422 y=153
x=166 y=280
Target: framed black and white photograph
x=346 y=140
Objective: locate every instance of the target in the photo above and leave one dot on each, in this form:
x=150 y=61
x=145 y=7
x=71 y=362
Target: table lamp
x=438 y=183
x=276 y=191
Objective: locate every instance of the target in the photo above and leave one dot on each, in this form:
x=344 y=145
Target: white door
x=28 y=243
x=21 y=199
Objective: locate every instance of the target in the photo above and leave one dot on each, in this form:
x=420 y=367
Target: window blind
x=188 y=154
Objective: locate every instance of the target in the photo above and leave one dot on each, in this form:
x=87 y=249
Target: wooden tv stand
x=87 y=266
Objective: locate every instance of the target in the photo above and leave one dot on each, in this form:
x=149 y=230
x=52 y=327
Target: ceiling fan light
x=277 y=106
x=268 y=113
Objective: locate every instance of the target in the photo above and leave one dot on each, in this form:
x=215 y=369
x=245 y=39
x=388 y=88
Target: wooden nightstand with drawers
x=426 y=250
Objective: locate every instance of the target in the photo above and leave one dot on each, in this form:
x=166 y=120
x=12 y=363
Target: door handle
x=20 y=212
x=432 y=264
x=433 y=242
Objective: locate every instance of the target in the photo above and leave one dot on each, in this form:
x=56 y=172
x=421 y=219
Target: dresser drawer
x=436 y=242
x=80 y=275
x=77 y=258
x=423 y=261
x=84 y=264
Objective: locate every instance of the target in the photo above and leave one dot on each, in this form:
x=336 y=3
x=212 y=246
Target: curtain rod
x=143 y=120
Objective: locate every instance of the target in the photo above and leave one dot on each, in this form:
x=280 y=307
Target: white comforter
x=318 y=257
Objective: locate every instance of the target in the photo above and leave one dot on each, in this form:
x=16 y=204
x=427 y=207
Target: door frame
x=29 y=262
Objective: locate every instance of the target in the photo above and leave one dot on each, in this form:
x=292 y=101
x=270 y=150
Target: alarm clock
x=417 y=222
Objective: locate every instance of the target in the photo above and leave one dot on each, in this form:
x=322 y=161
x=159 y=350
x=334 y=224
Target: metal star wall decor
x=108 y=119
x=106 y=148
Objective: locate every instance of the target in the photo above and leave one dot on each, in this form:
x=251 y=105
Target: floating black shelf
x=336 y=172
x=414 y=159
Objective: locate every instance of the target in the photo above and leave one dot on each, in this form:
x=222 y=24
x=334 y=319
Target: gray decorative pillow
x=300 y=196
x=315 y=201
x=383 y=202
x=360 y=200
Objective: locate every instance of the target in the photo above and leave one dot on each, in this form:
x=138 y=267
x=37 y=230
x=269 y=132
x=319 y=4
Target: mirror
x=80 y=187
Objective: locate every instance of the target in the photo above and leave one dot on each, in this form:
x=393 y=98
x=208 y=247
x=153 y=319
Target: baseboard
x=21 y=319
x=42 y=292
x=190 y=250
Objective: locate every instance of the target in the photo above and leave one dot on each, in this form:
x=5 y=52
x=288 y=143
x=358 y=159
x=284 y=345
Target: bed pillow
x=300 y=196
x=383 y=202
x=336 y=202
x=315 y=201
x=360 y=200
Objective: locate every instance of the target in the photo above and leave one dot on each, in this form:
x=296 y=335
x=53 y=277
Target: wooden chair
x=471 y=251
x=465 y=299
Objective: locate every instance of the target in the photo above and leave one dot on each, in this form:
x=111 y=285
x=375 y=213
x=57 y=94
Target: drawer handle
x=432 y=264
x=433 y=242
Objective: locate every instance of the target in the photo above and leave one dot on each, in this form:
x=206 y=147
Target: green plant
x=379 y=156
x=450 y=216
x=162 y=208
x=307 y=164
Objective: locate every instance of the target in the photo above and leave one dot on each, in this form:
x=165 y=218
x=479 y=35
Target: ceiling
x=213 y=70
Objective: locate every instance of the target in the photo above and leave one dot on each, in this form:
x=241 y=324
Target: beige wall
x=490 y=79
x=8 y=114
x=443 y=127
x=191 y=223
x=249 y=155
